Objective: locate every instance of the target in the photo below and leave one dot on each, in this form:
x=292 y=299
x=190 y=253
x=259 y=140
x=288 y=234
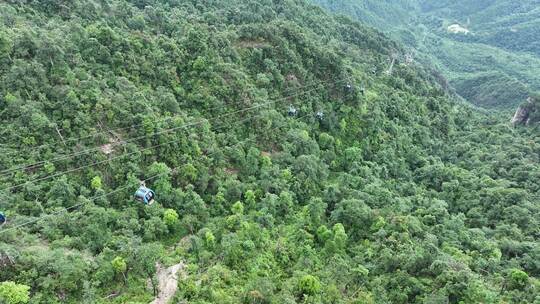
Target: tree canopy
x=399 y=194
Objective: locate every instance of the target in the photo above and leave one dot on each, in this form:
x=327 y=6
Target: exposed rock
x=521 y=116
x=458 y=29
x=107 y=148
x=292 y=77
x=168 y=282
x=232 y=171
x=522 y=113
x=253 y=44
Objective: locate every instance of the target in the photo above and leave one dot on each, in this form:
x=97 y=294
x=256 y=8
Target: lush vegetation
x=398 y=195
x=495 y=65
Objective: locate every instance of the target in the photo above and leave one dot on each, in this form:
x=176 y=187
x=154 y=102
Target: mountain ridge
x=493 y=66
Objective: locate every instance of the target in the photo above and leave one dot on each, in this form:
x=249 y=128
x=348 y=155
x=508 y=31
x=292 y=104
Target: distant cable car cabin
x=348 y=87
x=292 y=111
x=3 y=219
x=320 y=115
x=145 y=195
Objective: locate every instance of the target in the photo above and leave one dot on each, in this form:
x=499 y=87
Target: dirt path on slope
x=167 y=282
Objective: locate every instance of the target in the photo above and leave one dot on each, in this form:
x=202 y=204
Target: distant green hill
x=495 y=65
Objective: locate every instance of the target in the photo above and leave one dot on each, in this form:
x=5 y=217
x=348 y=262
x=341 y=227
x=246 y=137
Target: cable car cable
x=156 y=133
x=6 y=172
x=94 y=134
x=124 y=187
x=142 y=137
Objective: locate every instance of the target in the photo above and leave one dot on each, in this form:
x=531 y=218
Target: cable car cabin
x=348 y=87
x=292 y=111
x=145 y=195
x=320 y=115
x=2 y=219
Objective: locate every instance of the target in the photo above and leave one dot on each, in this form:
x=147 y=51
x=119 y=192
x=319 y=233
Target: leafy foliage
x=399 y=195
x=11 y=293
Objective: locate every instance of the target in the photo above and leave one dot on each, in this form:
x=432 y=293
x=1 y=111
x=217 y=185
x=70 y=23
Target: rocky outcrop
x=168 y=282
x=521 y=117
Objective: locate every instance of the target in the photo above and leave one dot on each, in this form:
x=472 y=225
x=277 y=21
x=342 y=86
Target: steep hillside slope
x=510 y=25
x=378 y=189
x=494 y=65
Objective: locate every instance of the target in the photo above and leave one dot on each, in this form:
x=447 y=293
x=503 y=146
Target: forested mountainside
x=287 y=166
x=488 y=50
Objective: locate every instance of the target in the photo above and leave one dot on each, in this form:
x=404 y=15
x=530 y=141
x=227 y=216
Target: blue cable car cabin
x=2 y=219
x=292 y=111
x=145 y=195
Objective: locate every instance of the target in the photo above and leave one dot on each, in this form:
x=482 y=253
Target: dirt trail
x=168 y=282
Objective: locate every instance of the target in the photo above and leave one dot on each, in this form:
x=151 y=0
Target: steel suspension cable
x=2 y=231
x=7 y=172
x=142 y=137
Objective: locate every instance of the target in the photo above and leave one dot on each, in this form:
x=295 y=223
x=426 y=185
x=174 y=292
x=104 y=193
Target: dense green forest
x=379 y=188
x=495 y=64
